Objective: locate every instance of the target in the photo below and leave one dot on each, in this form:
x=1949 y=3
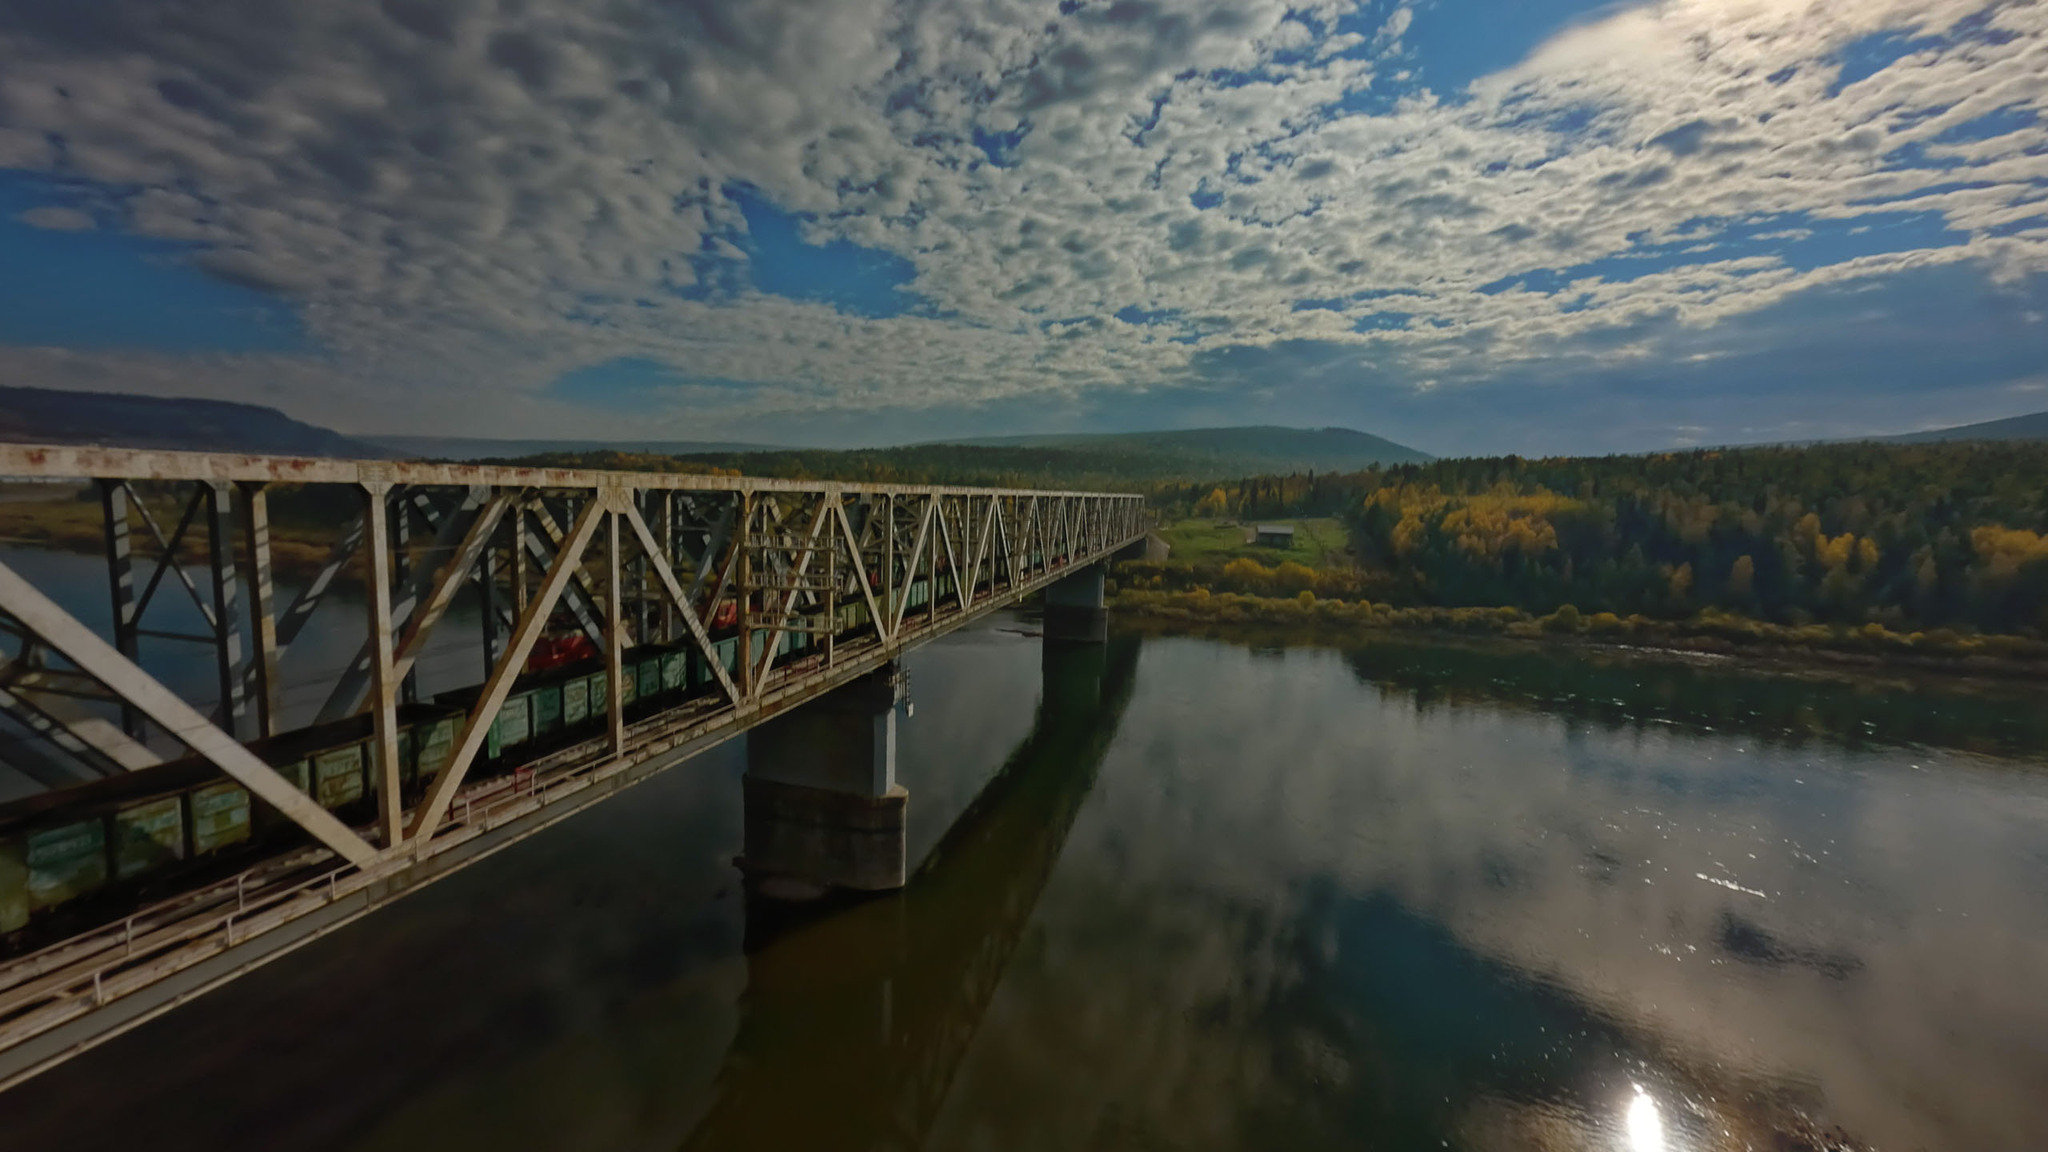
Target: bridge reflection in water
x=858 y=1052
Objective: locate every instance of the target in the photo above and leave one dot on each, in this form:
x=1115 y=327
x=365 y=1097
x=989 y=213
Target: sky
x=1473 y=226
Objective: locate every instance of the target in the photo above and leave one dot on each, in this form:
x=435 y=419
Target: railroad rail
x=679 y=610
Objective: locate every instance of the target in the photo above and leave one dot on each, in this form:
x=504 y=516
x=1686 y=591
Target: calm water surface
x=1199 y=895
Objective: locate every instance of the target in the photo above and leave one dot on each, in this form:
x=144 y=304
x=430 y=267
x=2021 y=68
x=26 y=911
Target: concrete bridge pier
x=1074 y=610
x=823 y=809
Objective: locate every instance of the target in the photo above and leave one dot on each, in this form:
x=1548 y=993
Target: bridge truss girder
x=627 y=558
x=678 y=550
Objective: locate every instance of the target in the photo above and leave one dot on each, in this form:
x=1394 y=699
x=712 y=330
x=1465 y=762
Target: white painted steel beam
x=614 y=633
x=384 y=675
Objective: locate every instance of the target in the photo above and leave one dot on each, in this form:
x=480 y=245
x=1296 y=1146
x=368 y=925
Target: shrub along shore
x=1712 y=631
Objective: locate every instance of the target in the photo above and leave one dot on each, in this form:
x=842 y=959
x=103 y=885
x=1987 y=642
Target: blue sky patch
x=1001 y=147
x=1451 y=43
x=1132 y=314
x=1864 y=58
x=627 y=384
x=1992 y=124
x=853 y=279
x=1797 y=240
x=102 y=288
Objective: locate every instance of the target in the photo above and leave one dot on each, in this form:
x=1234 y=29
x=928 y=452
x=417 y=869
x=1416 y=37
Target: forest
x=1951 y=536
x=1125 y=462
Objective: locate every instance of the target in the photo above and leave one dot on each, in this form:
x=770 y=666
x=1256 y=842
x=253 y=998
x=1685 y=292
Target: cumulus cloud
x=469 y=199
x=57 y=218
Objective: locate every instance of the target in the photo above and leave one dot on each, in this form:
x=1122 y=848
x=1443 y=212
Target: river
x=1203 y=895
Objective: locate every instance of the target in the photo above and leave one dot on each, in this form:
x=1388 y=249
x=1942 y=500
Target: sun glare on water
x=1645 y=1126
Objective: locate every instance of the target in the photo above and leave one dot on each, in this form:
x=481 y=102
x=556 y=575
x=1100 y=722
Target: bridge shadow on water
x=857 y=1013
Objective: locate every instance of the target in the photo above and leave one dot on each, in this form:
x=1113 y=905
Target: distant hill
x=1218 y=452
x=471 y=448
x=2033 y=426
x=122 y=420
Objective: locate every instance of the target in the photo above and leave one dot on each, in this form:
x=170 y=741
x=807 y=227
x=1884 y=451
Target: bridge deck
x=739 y=597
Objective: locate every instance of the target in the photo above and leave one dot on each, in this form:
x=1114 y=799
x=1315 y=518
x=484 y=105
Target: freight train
x=89 y=855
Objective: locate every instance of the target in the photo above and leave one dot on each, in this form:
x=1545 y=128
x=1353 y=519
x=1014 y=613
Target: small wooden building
x=1275 y=535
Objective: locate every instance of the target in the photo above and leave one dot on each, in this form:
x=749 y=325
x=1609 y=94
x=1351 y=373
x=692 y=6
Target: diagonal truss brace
x=860 y=576
x=917 y=549
x=532 y=620
x=787 y=606
x=98 y=659
x=681 y=600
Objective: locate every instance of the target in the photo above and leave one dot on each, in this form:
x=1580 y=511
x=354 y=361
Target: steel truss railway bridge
x=623 y=622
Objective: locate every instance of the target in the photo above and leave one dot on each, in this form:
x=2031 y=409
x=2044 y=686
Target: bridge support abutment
x=1074 y=609
x=823 y=809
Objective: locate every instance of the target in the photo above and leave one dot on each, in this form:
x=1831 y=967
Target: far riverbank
x=1712 y=634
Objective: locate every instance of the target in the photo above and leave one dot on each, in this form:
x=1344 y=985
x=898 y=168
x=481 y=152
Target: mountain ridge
x=176 y=423
x=490 y=448
x=2031 y=426
x=1324 y=449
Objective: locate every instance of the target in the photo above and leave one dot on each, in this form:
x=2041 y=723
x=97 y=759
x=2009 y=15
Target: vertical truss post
x=831 y=592
x=642 y=619
x=262 y=680
x=667 y=540
x=487 y=597
x=401 y=569
x=378 y=569
x=744 y=588
x=519 y=572
x=615 y=634
x=121 y=579
x=220 y=555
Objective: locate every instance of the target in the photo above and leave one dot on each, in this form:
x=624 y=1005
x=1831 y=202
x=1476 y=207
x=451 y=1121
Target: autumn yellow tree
x=1742 y=578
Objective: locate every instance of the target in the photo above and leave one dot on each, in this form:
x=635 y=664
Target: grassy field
x=1318 y=543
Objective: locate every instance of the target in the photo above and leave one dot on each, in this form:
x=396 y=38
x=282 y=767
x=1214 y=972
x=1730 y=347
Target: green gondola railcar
x=298 y=772
x=66 y=861
x=148 y=835
x=546 y=710
x=338 y=775
x=701 y=675
x=434 y=744
x=515 y=719
x=575 y=701
x=14 y=908
x=113 y=838
x=218 y=815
